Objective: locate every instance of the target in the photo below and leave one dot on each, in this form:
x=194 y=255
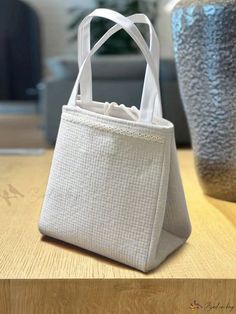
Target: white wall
x=54 y=20
x=164 y=30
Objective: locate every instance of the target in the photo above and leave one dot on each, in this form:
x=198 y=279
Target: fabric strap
x=155 y=52
x=150 y=104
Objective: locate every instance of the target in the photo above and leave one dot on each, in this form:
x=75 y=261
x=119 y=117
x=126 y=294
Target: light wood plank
x=117 y=296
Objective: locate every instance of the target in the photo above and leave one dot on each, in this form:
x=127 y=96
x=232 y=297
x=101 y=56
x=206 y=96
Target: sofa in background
x=20 y=52
x=115 y=78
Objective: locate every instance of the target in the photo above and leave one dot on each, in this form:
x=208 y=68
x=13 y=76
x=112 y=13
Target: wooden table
x=76 y=281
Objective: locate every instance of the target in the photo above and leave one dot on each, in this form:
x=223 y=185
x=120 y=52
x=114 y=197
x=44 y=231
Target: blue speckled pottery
x=204 y=35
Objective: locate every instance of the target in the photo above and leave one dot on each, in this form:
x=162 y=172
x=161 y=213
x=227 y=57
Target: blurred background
x=38 y=66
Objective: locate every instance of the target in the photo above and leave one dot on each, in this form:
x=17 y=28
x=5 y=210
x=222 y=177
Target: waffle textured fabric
x=114 y=189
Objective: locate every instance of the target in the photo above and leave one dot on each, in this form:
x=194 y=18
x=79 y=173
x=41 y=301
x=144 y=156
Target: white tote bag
x=114 y=186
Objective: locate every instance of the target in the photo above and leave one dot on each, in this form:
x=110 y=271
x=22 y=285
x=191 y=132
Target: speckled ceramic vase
x=204 y=36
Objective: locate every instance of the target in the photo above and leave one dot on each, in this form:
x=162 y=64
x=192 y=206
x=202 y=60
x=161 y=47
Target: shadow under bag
x=114 y=187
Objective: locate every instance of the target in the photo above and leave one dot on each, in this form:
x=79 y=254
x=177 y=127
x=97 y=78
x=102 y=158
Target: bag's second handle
x=148 y=89
x=151 y=95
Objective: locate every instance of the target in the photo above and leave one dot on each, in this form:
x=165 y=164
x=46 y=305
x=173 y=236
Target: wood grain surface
x=204 y=269
x=99 y=296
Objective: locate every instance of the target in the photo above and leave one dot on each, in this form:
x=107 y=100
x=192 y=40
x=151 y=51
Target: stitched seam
x=113 y=129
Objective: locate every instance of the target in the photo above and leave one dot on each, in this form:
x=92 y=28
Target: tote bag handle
x=154 y=50
x=151 y=100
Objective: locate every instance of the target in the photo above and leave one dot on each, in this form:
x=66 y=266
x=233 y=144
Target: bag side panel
x=177 y=219
x=176 y=225
x=158 y=219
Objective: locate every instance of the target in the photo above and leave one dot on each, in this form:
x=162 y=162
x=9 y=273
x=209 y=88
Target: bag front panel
x=103 y=190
